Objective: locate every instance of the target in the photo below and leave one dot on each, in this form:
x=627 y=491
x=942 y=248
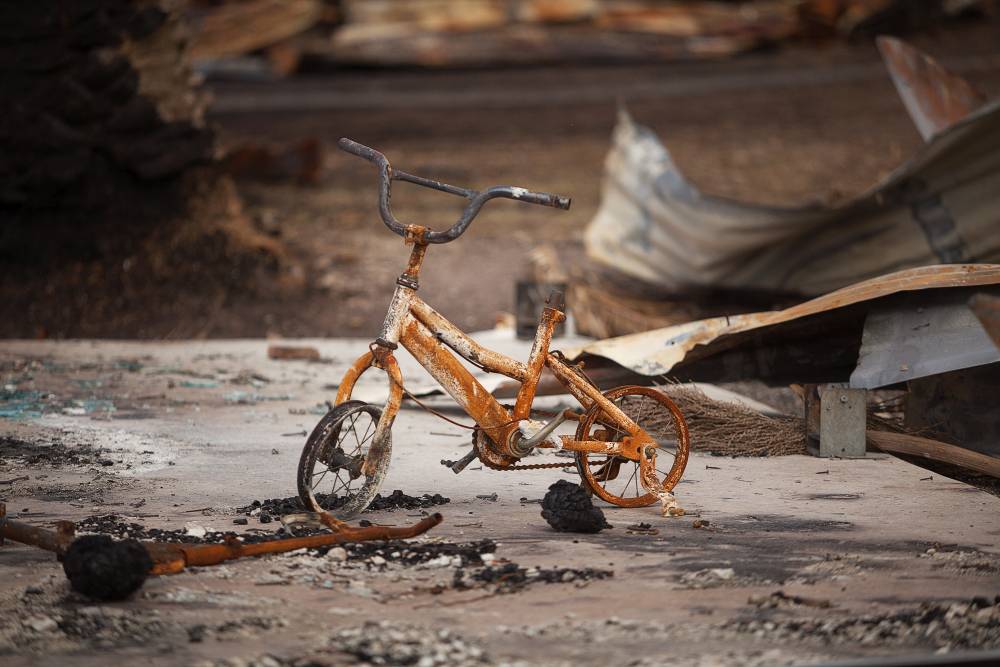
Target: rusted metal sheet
x=655 y=226
x=935 y=98
x=658 y=352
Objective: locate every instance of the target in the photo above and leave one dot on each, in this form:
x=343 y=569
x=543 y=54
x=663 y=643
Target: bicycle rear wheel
x=616 y=479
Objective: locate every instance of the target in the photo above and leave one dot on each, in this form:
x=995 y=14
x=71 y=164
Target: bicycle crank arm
x=460 y=465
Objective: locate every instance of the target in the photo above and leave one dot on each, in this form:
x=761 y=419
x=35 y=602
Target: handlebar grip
x=541 y=198
x=360 y=150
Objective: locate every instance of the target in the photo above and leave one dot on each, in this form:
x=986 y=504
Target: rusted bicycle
x=631 y=443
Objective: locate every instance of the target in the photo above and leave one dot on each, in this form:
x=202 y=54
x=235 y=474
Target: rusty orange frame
x=432 y=340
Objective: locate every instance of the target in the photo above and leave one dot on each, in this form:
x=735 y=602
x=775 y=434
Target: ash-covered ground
x=783 y=560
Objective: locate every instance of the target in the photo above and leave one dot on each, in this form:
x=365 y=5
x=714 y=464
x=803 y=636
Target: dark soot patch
x=104 y=569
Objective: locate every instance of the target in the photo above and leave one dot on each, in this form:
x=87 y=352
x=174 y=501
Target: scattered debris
x=567 y=507
x=717 y=577
x=966 y=561
x=71 y=627
x=396 y=500
x=98 y=561
x=701 y=523
x=511 y=577
x=252 y=398
x=440 y=554
x=199 y=384
x=958 y=625
x=782 y=599
x=384 y=643
x=49 y=452
x=291 y=352
x=669 y=505
x=641 y=529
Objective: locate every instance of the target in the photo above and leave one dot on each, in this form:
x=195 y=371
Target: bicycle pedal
x=459 y=465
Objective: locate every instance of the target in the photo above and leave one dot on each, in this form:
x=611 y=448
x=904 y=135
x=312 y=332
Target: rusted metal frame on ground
x=171 y=558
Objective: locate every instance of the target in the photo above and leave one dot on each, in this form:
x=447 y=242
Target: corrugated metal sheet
x=659 y=351
x=916 y=335
x=940 y=207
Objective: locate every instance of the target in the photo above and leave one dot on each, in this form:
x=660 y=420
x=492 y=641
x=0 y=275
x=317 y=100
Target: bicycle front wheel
x=331 y=475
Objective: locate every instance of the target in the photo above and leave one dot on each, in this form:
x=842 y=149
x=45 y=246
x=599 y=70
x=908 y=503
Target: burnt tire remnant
x=568 y=508
x=103 y=569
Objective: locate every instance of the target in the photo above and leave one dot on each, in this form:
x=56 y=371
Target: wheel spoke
x=629 y=481
x=354 y=420
x=319 y=480
x=343 y=485
x=370 y=429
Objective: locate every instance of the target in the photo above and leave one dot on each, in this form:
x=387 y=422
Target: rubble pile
x=384 y=643
x=50 y=622
x=115 y=526
x=717 y=577
x=397 y=500
x=45 y=628
x=51 y=453
x=966 y=561
x=249 y=625
x=511 y=577
x=458 y=554
x=959 y=625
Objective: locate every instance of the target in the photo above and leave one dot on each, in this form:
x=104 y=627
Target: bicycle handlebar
x=387 y=174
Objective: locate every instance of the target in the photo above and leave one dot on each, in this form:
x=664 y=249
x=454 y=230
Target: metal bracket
x=407 y=281
x=843 y=422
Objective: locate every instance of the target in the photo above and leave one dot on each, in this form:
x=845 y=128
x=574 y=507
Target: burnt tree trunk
x=116 y=217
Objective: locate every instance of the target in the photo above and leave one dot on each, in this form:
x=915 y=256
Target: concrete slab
x=198 y=429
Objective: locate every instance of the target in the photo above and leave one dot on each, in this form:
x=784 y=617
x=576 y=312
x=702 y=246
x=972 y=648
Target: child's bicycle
x=347 y=454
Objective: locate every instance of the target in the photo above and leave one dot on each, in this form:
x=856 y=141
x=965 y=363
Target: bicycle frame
x=432 y=339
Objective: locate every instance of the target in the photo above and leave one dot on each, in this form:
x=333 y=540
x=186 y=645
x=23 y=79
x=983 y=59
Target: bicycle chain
x=496 y=461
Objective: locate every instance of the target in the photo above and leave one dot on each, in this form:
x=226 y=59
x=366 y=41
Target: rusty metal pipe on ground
x=172 y=558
